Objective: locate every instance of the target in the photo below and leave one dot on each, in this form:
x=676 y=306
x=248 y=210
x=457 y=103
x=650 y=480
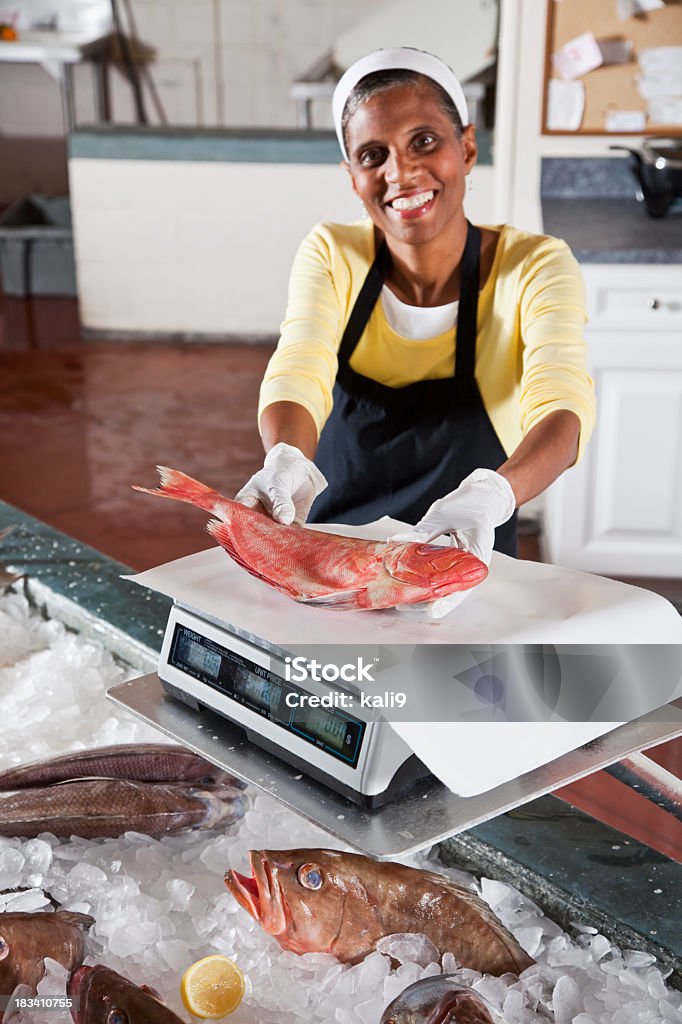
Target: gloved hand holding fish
x=285 y=487
x=155 y=789
x=469 y=514
x=325 y=570
x=325 y=901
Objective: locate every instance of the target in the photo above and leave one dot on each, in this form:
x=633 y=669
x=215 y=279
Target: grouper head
x=105 y=997
x=313 y=900
x=439 y=1000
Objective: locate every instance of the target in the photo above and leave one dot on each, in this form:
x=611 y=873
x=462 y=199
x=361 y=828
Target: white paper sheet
x=519 y=602
x=577 y=57
x=565 y=105
x=624 y=121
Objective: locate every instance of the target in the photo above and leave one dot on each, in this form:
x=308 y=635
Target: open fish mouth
x=73 y=988
x=244 y=888
x=260 y=894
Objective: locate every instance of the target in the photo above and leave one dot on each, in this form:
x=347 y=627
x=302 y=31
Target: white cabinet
x=620 y=511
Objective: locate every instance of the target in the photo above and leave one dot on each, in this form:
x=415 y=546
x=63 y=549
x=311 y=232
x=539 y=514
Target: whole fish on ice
x=109 y=807
x=323 y=569
x=143 y=762
x=106 y=997
x=27 y=938
x=439 y=1000
x=326 y=901
x=154 y=788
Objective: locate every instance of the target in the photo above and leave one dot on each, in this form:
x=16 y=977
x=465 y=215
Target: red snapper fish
x=325 y=901
x=326 y=570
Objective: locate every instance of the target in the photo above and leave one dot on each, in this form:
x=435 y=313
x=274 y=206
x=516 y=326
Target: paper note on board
x=577 y=57
x=565 y=105
x=624 y=121
x=665 y=110
x=629 y=8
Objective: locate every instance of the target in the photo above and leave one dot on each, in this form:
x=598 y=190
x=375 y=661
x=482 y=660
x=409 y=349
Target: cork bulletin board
x=611 y=89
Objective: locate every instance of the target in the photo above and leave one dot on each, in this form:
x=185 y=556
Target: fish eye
x=4 y=948
x=310 y=876
x=117 y=1016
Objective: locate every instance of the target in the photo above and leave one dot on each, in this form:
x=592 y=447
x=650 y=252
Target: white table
x=57 y=52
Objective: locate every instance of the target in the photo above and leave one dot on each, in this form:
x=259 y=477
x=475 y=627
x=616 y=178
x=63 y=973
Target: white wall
x=202 y=248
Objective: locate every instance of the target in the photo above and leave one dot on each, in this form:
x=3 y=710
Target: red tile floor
x=80 y=420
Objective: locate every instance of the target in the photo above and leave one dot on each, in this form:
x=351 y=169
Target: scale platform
x=426 y=815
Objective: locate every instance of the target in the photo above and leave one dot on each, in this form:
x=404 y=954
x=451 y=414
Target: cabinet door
x=620 y=511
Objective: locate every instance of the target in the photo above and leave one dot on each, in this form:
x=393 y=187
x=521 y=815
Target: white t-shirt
x=418 y=323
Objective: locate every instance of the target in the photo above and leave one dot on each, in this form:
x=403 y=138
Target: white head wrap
x=400 y=58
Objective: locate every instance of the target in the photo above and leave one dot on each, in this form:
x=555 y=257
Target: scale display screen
x=266 y=693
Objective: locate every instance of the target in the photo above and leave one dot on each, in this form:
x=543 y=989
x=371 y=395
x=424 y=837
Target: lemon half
x=213 y=987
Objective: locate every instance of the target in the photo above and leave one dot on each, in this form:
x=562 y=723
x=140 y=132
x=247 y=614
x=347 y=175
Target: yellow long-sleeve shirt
x=530 y=350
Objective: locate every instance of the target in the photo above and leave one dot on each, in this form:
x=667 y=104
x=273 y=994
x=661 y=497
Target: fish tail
x=109 y=807
x=181 y=487
x=224 y=805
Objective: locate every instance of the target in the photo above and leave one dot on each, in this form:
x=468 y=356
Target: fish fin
x=221 y=532
x=441 y=1012
x=18 y=889
x=339 y=599
x=75 y=918
x=175 y=484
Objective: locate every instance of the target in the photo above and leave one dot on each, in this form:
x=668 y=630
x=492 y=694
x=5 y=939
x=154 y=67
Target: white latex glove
x=286 y=486
x=469 y=514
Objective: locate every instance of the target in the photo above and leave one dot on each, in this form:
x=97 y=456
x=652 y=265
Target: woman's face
x=406 y=163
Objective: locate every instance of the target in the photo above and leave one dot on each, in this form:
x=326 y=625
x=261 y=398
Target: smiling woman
x=433 y=370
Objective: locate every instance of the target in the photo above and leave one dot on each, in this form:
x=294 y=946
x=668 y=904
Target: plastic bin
x=36 y=247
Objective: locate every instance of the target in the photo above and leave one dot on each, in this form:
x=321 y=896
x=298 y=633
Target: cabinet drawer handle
x=672 y=307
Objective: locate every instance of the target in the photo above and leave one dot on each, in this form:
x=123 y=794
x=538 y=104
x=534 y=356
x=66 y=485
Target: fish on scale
x=155 y=789
x=326 y=901
x=324 y=570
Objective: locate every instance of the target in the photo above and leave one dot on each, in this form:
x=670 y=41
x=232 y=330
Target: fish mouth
x=244 y=888
x=260 y=894
x=73 y=987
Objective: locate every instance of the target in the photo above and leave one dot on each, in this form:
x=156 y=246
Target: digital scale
x=353 y=752
x=231 y=696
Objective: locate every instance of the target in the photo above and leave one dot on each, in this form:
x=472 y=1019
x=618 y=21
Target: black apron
x=394 y=451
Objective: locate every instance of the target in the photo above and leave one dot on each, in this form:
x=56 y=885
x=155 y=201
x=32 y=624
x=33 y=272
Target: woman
x=372 y=387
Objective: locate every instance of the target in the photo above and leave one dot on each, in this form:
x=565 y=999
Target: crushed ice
x=161 y=904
